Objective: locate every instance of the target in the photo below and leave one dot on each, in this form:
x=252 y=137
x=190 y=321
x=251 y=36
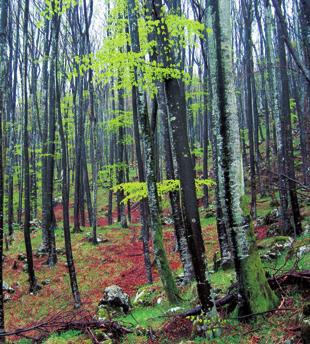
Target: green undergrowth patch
x=223 y=278
x=207 y=221
x=146 y=317
x=68 y=337
x=290 y=259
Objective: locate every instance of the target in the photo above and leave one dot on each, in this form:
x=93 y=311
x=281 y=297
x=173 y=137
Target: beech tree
x=254 y=289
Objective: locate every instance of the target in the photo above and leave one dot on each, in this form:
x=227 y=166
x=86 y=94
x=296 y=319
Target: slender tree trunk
x=45 y=215
x=247 y=17
x=50 y=222
x=159 y=251
x=120 y=163
x=33 y=286
x=3 y=75
x=286 y=128
x=65 y=204
x=144 y=210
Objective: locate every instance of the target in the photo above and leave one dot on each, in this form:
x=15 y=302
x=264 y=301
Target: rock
x=303 y=250
x=60 y=251
x=174 y=310
x=115 y=298
x=21 y=257
x=7 y=298
x=271 y=217
x=8 y=288
x=46 y=281
x=286 y=241
x=100 y=240
x=41 y=251
x=276 y=245
x=168 y=220
x=147 y=295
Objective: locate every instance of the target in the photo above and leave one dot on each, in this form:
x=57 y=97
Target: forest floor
x=119 y=260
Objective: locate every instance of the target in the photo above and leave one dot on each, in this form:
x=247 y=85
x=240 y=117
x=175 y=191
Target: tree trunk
x=177 y=110
x=33 y=286
x=3 y=76
x=159 y=251
x=254 y=290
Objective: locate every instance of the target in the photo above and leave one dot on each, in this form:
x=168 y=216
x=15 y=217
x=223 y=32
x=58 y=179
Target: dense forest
x=155 y=171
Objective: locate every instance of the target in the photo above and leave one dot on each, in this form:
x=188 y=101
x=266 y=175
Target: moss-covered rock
x=269 y=242
x=148 y=295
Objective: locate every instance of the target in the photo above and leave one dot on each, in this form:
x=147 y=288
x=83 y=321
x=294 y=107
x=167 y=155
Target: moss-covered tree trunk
x=256 y=294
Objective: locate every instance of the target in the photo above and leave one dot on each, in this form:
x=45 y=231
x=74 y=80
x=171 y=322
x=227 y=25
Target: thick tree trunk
x=254 y=290
x=174 y=196
x=177 y=110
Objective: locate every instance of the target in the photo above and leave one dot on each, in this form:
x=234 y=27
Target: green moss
x=67 y=337
x=146 y=316
x=223 y=279
x=260 y=296
x=133 y=338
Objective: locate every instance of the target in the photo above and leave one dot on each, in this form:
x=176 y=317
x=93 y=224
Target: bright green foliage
x=135 y=191
x=113 y=58
x=124 y=119
x=55 y=6
x=108 y=174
